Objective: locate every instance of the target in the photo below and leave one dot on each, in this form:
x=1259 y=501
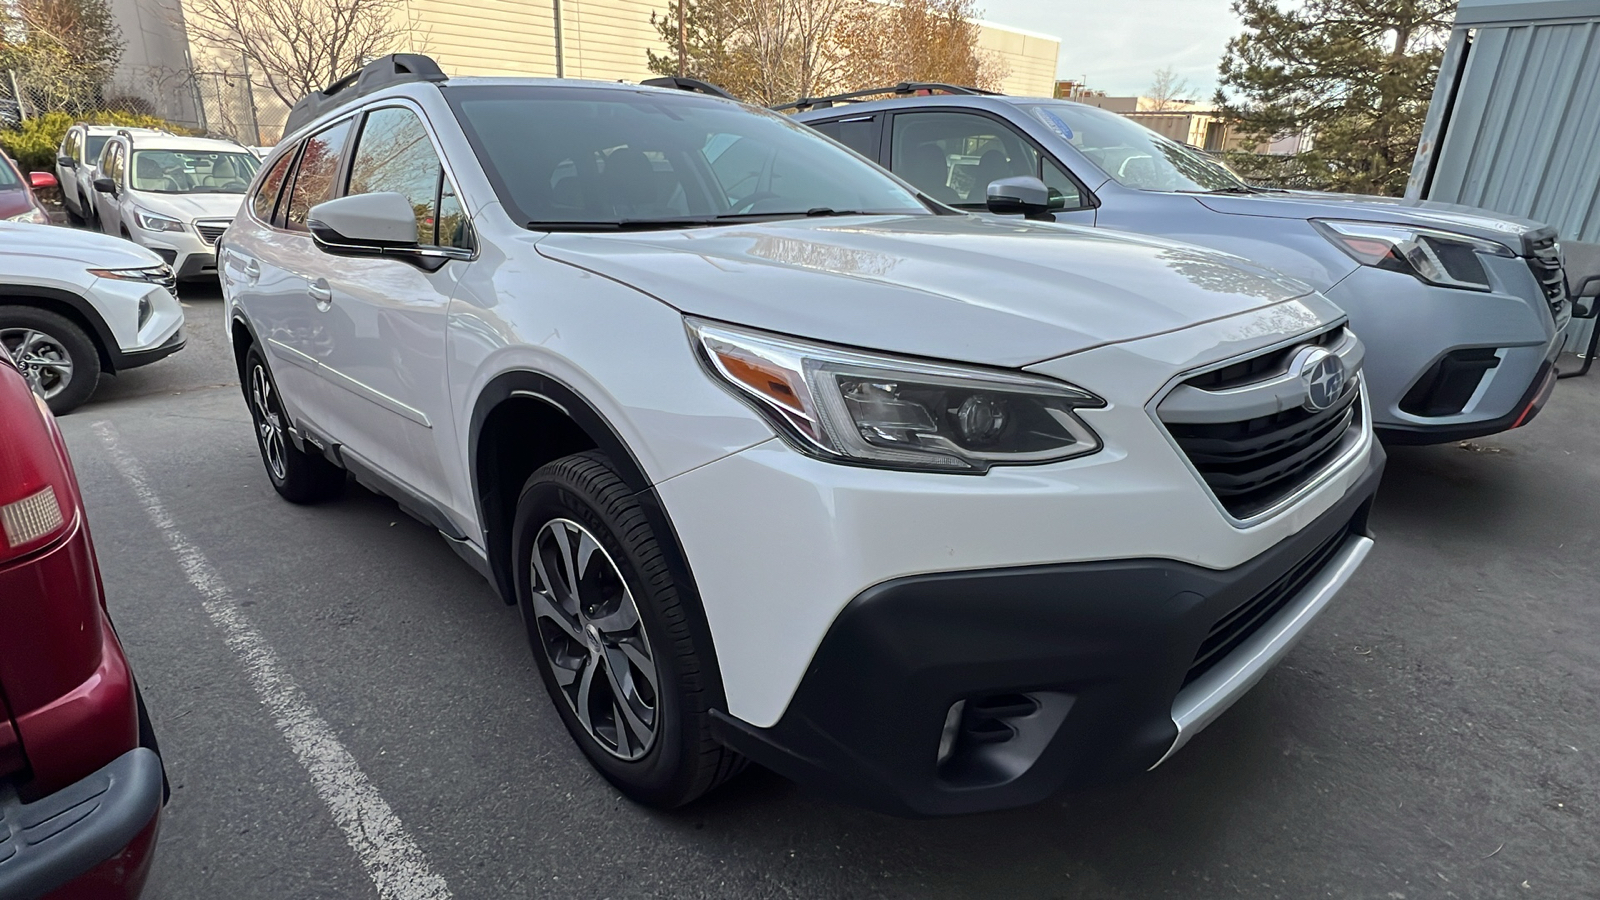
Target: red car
x=17 y=202
x=81 y=780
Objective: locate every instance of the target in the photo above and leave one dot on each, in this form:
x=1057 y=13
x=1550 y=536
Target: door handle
x=320 y=292
x=252 y=269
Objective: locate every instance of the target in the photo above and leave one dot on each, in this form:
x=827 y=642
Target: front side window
x=97 y=143
x=266 y=198
x=1133 y=155
x=597 y=158
x=192 y=172
x=317 y=175
x=953 y=157
x=859 y=134
x=395 y=154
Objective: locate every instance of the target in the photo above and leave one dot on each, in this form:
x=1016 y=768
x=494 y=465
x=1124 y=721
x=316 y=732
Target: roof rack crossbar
x=688 y=84
x=903 y=89
x=385 y=71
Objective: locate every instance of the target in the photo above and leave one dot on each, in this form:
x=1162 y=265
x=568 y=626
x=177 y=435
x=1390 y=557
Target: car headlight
x=1436 y=257
x=878 y=410
x=161 y=274
x=33 y=216
x=152 y=222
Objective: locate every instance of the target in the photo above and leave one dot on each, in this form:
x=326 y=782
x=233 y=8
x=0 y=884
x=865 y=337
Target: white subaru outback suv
x=784 y=462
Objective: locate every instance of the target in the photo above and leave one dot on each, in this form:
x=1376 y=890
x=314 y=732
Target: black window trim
x=286 y=190
x=1091 y=200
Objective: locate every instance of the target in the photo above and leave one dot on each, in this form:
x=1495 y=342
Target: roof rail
x=385 y=71
x=128 y=132
x=903 y=89
x=688 y=84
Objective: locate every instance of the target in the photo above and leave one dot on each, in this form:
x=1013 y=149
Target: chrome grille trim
x=1187 y=404
x=1355 y=440
x=211 y=229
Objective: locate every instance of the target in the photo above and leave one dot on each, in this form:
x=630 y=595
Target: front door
x=386 y=316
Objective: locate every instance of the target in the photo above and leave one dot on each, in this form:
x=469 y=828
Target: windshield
x=192 y=172
x=1133 y=155
x=593 y=159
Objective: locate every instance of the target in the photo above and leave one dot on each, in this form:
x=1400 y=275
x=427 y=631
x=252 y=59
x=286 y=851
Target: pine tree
x=1356 y=75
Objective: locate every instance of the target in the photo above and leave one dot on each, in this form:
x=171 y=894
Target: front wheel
x=610 y=635
x=55 y=355
x=298 y=477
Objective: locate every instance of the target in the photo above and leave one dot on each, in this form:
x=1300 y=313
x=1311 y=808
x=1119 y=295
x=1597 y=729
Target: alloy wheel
x=43 y=359
x=589 y=631
x=268 y=414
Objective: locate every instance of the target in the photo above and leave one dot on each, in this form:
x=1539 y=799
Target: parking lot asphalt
x=1436 y=733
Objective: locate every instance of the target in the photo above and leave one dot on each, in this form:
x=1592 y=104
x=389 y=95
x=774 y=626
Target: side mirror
x=364 y=224
x=105 y=185
x=39 y=180
x=66 y=162
x=1024 y=195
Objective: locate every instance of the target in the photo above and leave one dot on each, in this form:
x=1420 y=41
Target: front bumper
x=68 y=836
x=1069 y=673
x=135 y=358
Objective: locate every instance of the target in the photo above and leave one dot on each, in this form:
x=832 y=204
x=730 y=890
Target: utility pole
x=683 y=39
x=561 y=53
x=250 y=97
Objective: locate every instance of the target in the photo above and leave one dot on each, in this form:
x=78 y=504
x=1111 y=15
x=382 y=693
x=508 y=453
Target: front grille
x=1544 y=259
x=1234 y=628
x=210 y=231
x=1257 y=367
x=1251 y=464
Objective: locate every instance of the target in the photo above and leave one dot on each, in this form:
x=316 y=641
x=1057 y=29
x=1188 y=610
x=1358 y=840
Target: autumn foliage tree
x=1356 y=74
x=64 y=51
x=774 y=51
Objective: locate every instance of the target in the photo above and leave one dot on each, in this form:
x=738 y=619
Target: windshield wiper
x=622 y=224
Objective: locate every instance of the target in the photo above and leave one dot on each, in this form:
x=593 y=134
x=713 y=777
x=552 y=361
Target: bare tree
x=1169 y=88
x=917 y=40
x=299 y=46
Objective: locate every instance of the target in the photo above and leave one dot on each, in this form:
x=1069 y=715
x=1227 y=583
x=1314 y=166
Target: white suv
x=174 y=195
x=782 y=461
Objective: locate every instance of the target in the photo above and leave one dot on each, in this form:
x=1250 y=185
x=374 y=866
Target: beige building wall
x=1029 y=58
x=601 y=39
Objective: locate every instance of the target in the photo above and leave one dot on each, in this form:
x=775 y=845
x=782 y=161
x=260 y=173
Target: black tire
x=297 y=476
x=55 y=338
x=682 y=760
x=75 y=219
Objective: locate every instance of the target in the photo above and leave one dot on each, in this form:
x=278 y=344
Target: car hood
x=1470 y=220
x=989 y=291
x=14 y=202
x=188 y=207
x=54 y=242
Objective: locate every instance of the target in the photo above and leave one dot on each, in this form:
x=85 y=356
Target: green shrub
x=33 y=144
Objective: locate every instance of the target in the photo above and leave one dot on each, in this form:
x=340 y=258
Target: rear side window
x=394 y=154
x=859 y=134
x=317 y=176
x=266 y=198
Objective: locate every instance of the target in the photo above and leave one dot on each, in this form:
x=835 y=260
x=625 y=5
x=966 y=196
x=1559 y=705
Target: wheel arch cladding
x=523 y=420
x=75 y=308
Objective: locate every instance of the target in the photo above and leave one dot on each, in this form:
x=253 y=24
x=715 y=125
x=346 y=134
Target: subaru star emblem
x=1323 y=375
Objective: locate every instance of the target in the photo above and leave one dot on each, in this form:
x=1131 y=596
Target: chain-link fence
x=34 y=117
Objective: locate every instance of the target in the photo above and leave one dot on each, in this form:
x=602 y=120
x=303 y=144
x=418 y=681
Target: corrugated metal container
x=1514 y=124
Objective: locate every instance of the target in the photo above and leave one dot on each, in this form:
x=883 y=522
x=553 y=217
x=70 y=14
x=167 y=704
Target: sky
x=1118 y=44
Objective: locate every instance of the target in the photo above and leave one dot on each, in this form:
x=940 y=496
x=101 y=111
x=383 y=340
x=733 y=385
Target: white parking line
x=393 y=860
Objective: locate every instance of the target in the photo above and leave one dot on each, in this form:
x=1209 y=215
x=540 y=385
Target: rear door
x=385 y=316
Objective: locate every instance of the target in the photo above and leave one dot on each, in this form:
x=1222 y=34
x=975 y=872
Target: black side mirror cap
x=1024 y=195
x=105 y=185
x=66 y=162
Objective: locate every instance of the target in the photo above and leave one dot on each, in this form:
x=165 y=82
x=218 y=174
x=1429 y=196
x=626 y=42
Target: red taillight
x=33 y=479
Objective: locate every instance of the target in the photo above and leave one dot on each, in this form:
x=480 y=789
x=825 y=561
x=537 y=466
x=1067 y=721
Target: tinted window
x=266 y=198
x=954 y=156
x=394 y=154
x=1057 y=179
x=8 y=175
x=1132 y=154
x=580 y=156
x=96 y=144
x=315 y=179
x=860 y=135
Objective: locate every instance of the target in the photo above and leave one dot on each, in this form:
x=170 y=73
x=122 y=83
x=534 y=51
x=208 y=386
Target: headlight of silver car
x=152 y=222
x=1436 y=257
x=878 y=410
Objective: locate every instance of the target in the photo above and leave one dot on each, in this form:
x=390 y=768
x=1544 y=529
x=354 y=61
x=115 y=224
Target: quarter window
x=266 y=198
x=860 y=134
x=317 y=175
x=395 y=154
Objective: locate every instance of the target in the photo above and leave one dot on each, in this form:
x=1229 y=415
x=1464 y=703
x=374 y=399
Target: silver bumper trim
x=1210 y=695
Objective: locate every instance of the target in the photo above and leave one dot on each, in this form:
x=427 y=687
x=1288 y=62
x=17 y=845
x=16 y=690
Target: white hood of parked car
x=188 y=207
x=55 y=243
x=992 y=291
